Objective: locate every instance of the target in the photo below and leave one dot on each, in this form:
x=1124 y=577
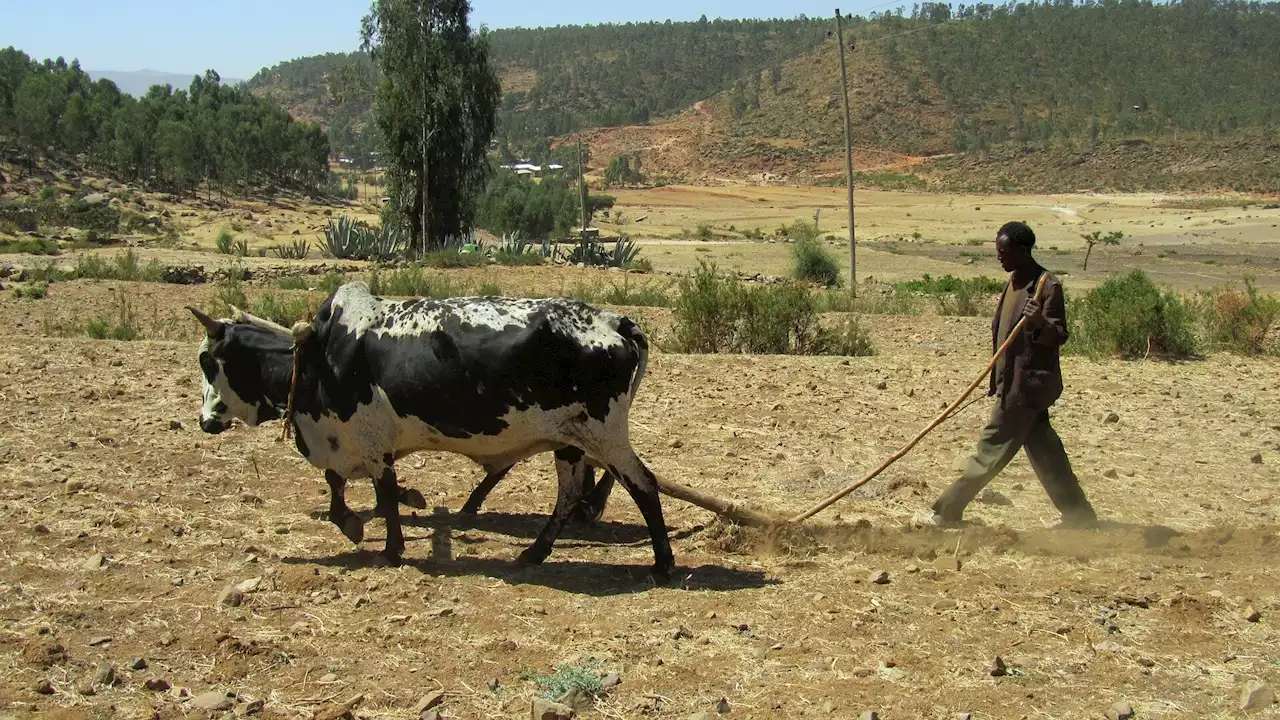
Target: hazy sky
x=239 y=37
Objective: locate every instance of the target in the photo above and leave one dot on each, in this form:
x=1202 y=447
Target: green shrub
x=1130 y=317
x=812 y=262
x=648 y=295
x=283 y=310
x=851 y=338
x=716 y=314
x=295 y=250
x=1243 y=323
x=31 y=291
x=704 y=232
x=31 y=246
x=800 y=231
x=225 y=243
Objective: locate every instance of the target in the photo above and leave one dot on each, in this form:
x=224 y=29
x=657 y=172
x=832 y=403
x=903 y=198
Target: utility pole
x=582 y=192
x=848 y=158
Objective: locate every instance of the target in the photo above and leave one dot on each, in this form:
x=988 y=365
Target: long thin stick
x=936 y=422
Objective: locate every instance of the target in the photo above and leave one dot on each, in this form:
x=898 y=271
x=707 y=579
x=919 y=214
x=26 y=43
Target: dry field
x=121 y=525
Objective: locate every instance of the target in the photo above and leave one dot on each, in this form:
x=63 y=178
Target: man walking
x=1026 y=381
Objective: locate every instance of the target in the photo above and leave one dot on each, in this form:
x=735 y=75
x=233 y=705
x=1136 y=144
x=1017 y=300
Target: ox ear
x=214 y=328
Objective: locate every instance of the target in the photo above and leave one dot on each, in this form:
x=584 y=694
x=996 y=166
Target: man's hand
x=1033 y=315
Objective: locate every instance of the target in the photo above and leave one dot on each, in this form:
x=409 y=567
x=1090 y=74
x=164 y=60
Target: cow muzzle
x=213 y=426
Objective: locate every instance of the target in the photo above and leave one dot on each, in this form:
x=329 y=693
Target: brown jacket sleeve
x=1053 y=308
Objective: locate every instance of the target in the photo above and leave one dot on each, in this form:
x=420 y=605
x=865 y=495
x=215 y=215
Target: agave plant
x=296 y=250
x=515 y=244
x=624 y=252
x=342 y=237
x=385 y=242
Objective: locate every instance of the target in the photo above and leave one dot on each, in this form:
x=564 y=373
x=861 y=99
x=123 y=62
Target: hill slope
x=1125 y=95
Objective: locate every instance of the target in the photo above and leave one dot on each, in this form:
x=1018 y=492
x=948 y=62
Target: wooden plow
x=754 y=518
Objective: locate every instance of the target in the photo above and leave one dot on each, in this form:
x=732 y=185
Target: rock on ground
x=1256 y=696
x=547 y=710
x=1120 y=711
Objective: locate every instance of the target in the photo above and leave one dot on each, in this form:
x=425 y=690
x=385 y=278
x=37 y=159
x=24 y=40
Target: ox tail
x=632 y=332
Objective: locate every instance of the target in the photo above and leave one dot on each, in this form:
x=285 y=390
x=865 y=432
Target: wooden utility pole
x=848 y=157
x=582 y=191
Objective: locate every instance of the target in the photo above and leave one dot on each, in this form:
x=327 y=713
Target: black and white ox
x=497 y=380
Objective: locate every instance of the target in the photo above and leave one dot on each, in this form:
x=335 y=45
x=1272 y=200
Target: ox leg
x=570 y=466
x=387 y=493
x=482 y=490
x=595 y=496
x=643 y=488
x=339 y=514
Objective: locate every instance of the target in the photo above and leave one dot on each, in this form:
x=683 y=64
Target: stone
x=869 y=715
x=722 y=707
x=99 y=640
x=249 y=585
x=945 y=604
x=998 y=668
x=429 y=715
x=611 y=681
x=1256 y=459
x=87 y=689
x=1120 y=711
x=212 y=701
x=106 y=674
x=879 y=577
x=991 y=497
x=156 y=684
x=1110 y=418
x=231 y=596
x=428 y=702
x=681 y=632
x=547 y=710
x=138 y=663
x=44 y=687
x=676 y=443
x=175 y=425
x=1256 y=696
x=1251 y=614
x=328 y=678
x=95 y=562
x=947 y=563
x=1110 y=474
x=882 y=385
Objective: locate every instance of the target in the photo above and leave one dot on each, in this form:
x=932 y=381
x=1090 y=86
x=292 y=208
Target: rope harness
x=301 y=332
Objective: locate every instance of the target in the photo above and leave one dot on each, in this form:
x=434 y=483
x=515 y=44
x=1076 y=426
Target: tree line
x=209 y=135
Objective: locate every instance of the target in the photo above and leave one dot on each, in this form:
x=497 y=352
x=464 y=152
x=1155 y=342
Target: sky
x=239 y=37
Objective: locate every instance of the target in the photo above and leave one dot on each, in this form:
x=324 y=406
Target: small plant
x=1244 y=323
x=31 y=291
x=586 y=679
x=224 y=243
x=851 y=338
x=704 y=232
x=1097 y=238
x=813 y=262
x=515 y=250
x=124 y=326
x=295 y=250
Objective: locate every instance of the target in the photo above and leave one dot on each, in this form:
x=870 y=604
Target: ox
x=497 y=380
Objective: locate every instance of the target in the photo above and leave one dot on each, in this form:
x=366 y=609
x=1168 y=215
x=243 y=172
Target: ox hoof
x=468 y=510
x=353 y=528
x=413 y=499
x=662 y=574
x=532 y=556
x=387 y=558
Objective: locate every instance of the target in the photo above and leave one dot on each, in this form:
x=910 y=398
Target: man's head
x=1013 y=246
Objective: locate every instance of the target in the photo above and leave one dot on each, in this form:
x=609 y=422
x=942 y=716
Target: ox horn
x=212 y=327
x=242 y=316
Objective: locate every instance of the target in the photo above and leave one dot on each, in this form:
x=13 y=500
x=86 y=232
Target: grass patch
x=122 y=325
x=1130 y=317
x=452 y=259
x=646 y=295
x=510 y=258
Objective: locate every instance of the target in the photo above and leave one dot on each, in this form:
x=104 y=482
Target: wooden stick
x=733 y=511
x=936 y=422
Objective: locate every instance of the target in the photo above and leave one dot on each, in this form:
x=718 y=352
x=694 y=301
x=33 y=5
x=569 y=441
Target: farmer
x=1026 y=381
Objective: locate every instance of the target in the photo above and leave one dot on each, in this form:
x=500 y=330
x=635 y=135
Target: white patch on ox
x=219 y=392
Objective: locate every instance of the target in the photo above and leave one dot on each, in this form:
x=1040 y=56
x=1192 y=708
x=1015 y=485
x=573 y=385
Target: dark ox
x=497 y=380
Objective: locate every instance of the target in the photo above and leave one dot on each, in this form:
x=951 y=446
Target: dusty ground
x=100 y=455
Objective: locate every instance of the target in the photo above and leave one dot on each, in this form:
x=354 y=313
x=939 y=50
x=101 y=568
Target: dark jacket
x=1032 y=374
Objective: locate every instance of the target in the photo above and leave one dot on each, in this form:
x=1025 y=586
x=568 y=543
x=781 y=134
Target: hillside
x=1030 y=96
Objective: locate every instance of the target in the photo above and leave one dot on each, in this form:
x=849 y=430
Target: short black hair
x=1019 y=233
